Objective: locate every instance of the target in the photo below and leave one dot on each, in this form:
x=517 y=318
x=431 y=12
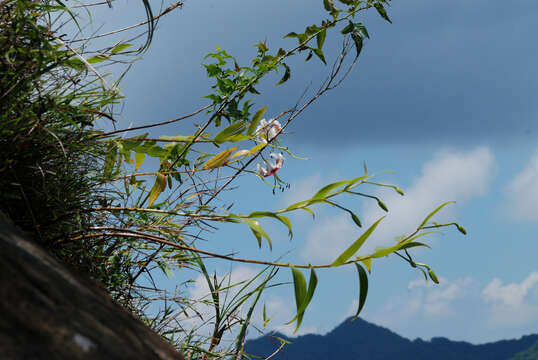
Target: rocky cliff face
x=48 y=312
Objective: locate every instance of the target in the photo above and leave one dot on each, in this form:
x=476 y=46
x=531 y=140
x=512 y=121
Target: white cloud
x=450 y=175
x=329 y=237
x=512 y=304
x=512 y=294
x=522 y=192
x=461 y=309
x=303 y=189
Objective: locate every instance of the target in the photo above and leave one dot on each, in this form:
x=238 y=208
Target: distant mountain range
x=359 y=339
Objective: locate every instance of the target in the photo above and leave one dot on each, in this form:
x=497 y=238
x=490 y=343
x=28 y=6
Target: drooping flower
x=271 y=167
x=267 y=130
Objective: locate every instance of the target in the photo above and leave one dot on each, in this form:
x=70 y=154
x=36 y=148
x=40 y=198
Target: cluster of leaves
x=84 y=193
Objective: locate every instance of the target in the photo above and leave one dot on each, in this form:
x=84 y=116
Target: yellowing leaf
x=219 y=160
x=139 y=159
x=240 y=153
x=158 y=188
x=368 y=264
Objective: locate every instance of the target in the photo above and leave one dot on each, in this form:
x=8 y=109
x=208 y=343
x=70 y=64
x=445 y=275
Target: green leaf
x=158 y=188
x=382 y=11
x=350 y=251
x=348 y=28
x=120 y=47
x=320 y=38
x=299 y=285
x=255 y=120
x=97 y=59
x=283 y=219
x=461 y=229
x=382 y=205
x=410 y=244
x=433 y=276
x=303 y=296
x=433 y=213
x=319 y=54
x=291 y=35
x=110 y=159
x=347 y=2
x=287 y=74
x=324 y=191
x=231 y=130
x=363 y=287
x=258 y=232
x=139 y=159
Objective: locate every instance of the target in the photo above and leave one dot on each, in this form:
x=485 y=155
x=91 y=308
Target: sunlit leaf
x=255 y=120
x=120 y=47
x=283 y=219
x=350 y=251
x=433 y=213
x=258 y=232
x=158 y=188
x=233 y=129
x=219 y=160
x=325 y=191
x=139 y=159
x=368 y=264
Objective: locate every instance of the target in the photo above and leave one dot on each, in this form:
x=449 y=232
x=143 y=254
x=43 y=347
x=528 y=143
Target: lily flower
x=267 y=130
x=271 y=167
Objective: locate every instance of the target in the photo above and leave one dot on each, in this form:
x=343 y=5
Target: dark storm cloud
x=456 y=72
x=459 y=71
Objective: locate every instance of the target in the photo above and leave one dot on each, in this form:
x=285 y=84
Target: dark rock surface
x=48 y=312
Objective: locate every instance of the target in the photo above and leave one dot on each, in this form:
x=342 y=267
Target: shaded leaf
x=286 y=76
x=382 y=11
x=363 y=288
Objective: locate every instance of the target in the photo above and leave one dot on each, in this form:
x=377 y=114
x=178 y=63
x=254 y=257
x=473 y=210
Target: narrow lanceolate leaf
x=303 y=295
x=433 y=213
x=299 y=285
x=286 y=76
x=350 y=251
x=363 y=287
x=110 y=159
x=219 y=160
x=158 y=188
x=283 y=219
x=229 y=131
x=258 y=232
x=326 y=190
x=320 y=38
x=382 y=11
x=120 y=47
x=255 y=120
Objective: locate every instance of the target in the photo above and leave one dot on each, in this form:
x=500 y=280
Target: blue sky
x=445 y=97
